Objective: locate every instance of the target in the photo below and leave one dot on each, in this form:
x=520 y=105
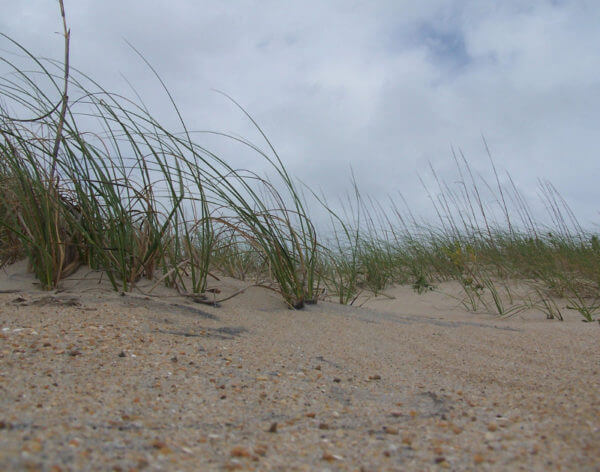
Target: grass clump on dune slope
x=134 y=200
x=486 y=239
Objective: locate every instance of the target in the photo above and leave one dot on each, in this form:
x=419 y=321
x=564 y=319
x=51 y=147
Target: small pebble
x=330 y=457
x=233 y=465
x=240 y=451
x=260 y=449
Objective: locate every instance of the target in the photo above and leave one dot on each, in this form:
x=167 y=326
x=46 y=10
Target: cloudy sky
x=383 y=87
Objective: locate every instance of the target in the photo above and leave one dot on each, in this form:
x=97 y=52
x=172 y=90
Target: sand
x=94 y=380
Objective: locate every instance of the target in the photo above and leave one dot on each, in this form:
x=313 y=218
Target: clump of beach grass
x=503 y=259
x=134 y=200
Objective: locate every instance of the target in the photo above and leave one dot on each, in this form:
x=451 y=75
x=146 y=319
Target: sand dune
x=95 y=380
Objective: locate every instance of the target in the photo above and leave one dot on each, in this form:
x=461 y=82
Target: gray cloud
x=384 y=87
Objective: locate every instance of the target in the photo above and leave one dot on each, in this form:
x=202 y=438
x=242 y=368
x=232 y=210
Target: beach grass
x=92 y=178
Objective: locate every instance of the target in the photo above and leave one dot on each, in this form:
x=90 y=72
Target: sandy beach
x=95 y=380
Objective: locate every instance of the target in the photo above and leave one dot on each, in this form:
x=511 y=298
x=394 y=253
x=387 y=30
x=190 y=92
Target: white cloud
x=383 y=87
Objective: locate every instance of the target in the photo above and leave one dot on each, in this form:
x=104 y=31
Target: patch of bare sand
x=91 y=380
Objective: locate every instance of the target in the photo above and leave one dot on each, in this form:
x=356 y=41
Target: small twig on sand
x=201 y=298
x=198 y=297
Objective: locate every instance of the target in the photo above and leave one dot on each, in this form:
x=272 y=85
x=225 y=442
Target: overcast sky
x=384 y=87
